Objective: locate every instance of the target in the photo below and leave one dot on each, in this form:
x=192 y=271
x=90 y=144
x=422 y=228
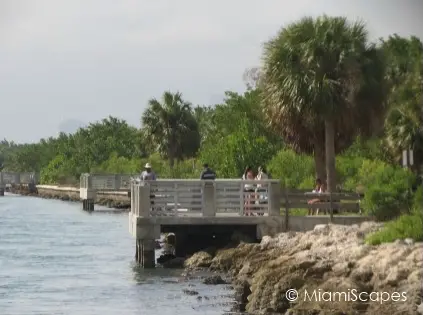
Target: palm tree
x=170 y=127
x=323 y=84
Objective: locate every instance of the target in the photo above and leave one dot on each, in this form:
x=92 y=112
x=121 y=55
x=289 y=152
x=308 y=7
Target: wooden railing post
x=86 y=192
x=274 y=199
x=118 y=180
x=331 y=207
x=133 y=197
x=143 y=205
x=17 y=178
x=241 y=199
x=209 y=199
x=2 y=186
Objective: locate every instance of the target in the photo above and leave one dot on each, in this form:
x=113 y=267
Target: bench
x=338 y=202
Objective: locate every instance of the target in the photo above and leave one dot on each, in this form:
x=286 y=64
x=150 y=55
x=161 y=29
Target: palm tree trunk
x=171 y=161
x=330 y=154
x=319 y=161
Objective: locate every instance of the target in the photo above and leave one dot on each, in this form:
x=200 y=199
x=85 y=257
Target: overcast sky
x=65 y=61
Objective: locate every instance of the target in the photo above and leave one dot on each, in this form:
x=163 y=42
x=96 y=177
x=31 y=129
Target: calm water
x=57 y=259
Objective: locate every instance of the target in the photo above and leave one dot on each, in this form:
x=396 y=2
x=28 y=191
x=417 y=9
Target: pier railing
x=171 y=197
x=11 y=178
x=205 y=198
x=106 y=182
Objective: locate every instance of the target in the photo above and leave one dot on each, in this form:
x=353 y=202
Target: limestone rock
x=177 y=263
x=409 y=241
x=215 y=279
x=329 y=258
x=199 y=260
x=190 y=292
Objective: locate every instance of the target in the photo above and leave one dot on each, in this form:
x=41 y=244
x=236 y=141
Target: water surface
x=57 y=259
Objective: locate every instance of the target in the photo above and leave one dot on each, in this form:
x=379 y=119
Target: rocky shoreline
x=111 y=201
x=331 y=261
x=334 y=262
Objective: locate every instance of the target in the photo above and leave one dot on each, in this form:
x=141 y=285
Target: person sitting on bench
x=317 y=190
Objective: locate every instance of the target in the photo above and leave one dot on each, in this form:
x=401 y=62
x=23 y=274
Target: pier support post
x=86 y=192
x=2 y=186
x=145 y=253
x=146 y=234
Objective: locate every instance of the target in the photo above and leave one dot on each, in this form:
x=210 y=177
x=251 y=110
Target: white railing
x=205 y=198
x=108 y=182
x=10 y=178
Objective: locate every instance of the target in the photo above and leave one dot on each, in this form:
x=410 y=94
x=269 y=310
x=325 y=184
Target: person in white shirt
x=262 y=188
x=317 y=190
x=148 y=173
x=250 y=192
x=262 y=175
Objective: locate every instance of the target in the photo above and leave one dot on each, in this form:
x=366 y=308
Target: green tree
x=171 y=127
x=204 y=117
x=323 y=84
x=404 y=123
x=230 y=154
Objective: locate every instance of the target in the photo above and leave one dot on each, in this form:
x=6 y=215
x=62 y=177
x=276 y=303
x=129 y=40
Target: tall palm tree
x=171 y=127
x=323 y=84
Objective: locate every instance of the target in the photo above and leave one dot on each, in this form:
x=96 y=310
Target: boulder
x=199 y=260
x=215 y=280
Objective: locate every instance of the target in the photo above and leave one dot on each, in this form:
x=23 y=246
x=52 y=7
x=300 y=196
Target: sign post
x=407 y=158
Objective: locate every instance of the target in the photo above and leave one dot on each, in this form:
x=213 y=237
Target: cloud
x=88 y=59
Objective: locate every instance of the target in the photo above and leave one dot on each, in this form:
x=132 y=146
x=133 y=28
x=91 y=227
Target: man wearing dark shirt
x=207 y=173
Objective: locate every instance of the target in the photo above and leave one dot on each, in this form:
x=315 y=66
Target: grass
x=406 y=226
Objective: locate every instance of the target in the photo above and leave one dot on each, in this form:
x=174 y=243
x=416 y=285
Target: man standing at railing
x=207 y=173
x=148 y=173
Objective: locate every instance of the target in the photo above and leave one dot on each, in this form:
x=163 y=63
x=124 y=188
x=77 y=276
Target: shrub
x=292 y=169
x=308 y=183
x=406 y=226
x=59 y=170
x=118 y=165
x=387 y=190
x=348 y=168
x=418 y=201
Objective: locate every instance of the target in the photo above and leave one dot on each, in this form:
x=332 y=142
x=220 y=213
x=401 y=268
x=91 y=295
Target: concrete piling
x=145 y=253
x=88 y=204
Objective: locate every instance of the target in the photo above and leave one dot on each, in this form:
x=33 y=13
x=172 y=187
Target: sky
x=65 y=63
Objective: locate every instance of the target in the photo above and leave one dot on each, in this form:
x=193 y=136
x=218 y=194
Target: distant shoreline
x=110 y=201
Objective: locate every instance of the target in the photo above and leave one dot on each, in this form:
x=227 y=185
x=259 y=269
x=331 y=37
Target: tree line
x=325 y=100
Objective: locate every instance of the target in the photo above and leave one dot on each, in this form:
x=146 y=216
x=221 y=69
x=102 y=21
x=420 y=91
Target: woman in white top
x=262 y=188
x=262 y=175
x=318 y=189
x=249 y=191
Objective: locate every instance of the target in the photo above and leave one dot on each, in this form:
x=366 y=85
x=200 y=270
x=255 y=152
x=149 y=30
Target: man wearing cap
x=207 y=173
x=148 y=174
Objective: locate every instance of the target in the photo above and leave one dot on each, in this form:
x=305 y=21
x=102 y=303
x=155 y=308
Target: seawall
x=113 y=199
